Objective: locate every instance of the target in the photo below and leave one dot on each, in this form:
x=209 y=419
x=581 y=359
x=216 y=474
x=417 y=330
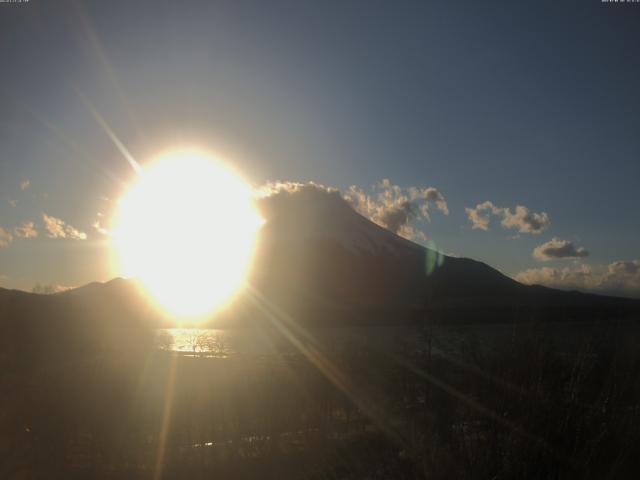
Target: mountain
x=318 y=256
x=320 y=261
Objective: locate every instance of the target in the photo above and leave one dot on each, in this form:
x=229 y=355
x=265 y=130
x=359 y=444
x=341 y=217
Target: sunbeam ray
x=166 y=418
x=110 y=133
x=307 y=346
x=98 y=49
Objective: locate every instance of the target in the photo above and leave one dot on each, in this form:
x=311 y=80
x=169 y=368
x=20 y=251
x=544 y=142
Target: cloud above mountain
x=397 y=208
x=390 y=206
x=556 y=249
x=58 y=228
x=49 y=289
x=285 y=198
x=521 y=218
x=270 y=189
x=621 y=277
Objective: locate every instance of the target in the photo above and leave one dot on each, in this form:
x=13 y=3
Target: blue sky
x=516 y=103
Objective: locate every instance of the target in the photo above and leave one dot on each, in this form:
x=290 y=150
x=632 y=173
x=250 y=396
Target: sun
x=186 y=230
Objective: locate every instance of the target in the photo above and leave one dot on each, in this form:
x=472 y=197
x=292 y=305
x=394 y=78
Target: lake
x=222 y=343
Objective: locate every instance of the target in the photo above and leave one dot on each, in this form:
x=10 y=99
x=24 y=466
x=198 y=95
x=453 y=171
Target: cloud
x=270 y=189
x=522 y=219
x=49 y=289
x=525 y=221
x=26 y=230
x=557 y=249
x=480 y=220
x=581 y=277
x=388 y=205
x=624 y=267
x=99 y=227
x=13 y=203
x=621 y=277
x=5 y=237
x=57 y=228
x=293 y=198
x=396 y=208
x=24 y=184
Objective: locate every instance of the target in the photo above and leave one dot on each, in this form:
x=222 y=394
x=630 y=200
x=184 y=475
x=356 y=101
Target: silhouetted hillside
x=321 y=262
x=318 y=256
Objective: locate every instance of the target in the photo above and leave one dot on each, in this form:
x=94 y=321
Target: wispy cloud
x=618 y=278
x=99 y=226
x=58 y=228
x=557 y=249
x=521 y=219
x=5 y=237
x=397 y=208
x=273 y=188
x=13 y=203
x=26 y=230
x=49 y=289
x=24 y=184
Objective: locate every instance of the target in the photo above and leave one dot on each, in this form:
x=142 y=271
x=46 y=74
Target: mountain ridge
x=322 y=262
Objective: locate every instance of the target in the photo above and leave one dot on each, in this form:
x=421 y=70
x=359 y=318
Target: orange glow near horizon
x=186 y=230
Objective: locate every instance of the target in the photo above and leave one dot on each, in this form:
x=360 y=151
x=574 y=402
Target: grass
x=522 y=408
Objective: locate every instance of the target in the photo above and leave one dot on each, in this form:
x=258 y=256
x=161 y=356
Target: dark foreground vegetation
x=522 y=409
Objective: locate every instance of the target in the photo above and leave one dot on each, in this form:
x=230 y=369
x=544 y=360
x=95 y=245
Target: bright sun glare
x=186 y=231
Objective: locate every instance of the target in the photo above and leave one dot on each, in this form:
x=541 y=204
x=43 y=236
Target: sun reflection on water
x=196 y=341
